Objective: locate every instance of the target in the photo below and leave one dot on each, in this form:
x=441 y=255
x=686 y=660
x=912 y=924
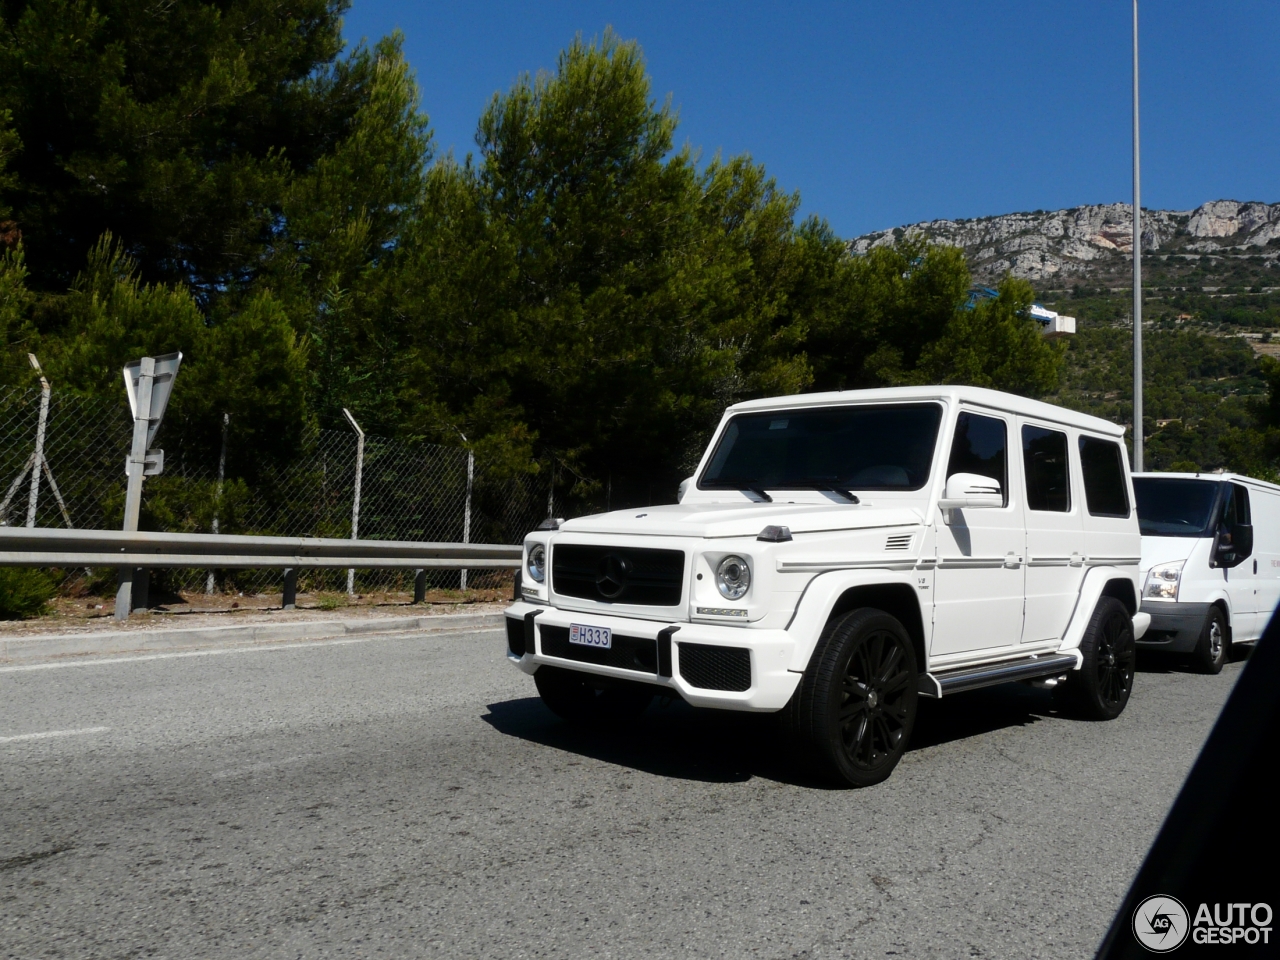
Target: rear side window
x=1102 y=464
x=980 y=446
x=1044 y=457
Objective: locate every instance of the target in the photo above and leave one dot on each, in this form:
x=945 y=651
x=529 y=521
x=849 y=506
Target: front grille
x=715 y=668
x=629 y=653
x=607 y=574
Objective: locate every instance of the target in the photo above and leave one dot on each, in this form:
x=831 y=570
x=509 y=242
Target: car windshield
x=859 y=447
x=1172 y=507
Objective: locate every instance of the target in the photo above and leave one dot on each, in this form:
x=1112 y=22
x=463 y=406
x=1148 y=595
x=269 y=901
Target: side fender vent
x=899 y=541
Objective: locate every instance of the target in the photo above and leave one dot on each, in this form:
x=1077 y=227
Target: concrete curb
x=20 y=649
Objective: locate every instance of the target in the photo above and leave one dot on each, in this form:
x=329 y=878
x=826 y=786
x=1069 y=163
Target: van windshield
x=861 y=447
x=1173 y=507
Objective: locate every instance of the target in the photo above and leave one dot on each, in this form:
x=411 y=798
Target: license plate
x=583 y=635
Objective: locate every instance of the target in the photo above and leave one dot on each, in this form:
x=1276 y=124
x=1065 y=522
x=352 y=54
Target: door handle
x=1012 y=561
x=1077 y=560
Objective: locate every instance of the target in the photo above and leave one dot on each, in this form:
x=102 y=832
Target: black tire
x=1100 y=689
x=852 y=715
x=1213 y=649
x=585 y=698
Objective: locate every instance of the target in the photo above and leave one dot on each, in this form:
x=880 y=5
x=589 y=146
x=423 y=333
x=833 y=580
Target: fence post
x=289 y=599
x=355 y=500
x=419 y=585
x=551 y=491
x=38 y=459
x=133 y=469
x=466 y=511
x=210 y=581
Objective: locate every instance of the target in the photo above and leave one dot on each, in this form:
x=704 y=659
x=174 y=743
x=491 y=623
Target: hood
x=712 y=520
x=1166 y=550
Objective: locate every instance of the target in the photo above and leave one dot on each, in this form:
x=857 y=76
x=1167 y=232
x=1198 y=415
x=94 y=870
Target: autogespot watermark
x=1162 y=924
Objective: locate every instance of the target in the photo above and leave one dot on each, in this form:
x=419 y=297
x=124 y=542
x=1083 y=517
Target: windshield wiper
x=831 y=487
x=755 y=488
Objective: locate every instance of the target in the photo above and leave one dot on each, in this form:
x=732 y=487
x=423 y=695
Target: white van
x=1210 y=561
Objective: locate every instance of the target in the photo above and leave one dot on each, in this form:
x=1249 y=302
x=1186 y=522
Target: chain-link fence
x=408 y=491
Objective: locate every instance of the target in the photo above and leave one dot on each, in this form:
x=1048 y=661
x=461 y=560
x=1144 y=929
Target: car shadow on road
x=673 y=739
x=1156 y=661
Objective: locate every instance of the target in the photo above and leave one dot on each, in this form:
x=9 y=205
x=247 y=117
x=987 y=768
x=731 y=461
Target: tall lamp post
x=1137 y=264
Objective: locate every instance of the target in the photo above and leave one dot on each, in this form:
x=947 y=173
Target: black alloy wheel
x=1100 y=689
x=581 y=697
x=854 y=710
x=1212 y=649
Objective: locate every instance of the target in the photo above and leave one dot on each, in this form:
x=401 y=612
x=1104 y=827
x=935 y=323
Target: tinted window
x=1044 y=457
x=979 y=447
x=1174 y=507
x=1102 y=464
x=855 y=447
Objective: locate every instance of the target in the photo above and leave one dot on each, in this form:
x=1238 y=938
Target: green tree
x=995 y=344
x=888 y=307
x=175 y=126
x=584 y=292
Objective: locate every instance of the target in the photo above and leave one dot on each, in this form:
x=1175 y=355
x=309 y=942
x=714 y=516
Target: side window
x=1105 y=492
x=980 y=446
x=1044 y=458
x=1236 y=509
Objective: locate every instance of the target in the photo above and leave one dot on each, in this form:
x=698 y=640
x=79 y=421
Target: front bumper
x=1175 y=627
x=770 y=687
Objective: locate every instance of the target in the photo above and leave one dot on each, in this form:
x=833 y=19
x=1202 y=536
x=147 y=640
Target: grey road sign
x=166 y=369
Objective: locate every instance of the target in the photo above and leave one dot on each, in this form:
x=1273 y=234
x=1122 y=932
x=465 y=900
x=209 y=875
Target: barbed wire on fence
x=410 y=491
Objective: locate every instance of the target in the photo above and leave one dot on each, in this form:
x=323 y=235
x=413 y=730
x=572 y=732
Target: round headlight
x=537 y=563
x=733 y=577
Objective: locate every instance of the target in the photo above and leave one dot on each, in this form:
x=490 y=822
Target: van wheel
x=1212 y=650
x=583 y=697
x=1100 y=689
x=852 y=715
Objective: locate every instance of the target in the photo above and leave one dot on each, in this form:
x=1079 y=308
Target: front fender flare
x=1095 y=581
x=824 y=591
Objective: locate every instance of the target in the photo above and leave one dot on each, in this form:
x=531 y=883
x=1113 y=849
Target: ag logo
x=1161 y=924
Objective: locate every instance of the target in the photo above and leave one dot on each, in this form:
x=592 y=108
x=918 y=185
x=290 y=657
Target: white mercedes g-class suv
x=839 y=555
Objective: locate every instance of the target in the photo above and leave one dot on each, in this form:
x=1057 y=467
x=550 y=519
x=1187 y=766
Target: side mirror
x=972 y=492
x=685 y=484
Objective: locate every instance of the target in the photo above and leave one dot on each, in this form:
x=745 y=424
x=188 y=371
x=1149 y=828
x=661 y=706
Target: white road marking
x=50 y=734
x=266 y=647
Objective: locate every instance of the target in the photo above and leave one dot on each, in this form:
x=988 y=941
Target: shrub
x=24 y=593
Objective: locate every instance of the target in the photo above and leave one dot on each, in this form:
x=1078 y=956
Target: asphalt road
x=410 y=796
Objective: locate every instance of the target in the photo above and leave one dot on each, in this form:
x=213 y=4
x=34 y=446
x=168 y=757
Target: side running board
x=971 y=678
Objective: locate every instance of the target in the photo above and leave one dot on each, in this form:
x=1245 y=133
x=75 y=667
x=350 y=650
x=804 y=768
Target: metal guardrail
x=132 y=553
x=37 y=547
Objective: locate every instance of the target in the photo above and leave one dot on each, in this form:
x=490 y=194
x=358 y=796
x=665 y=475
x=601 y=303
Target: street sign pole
x=148 y=382
x=355 y=500
x=1137 y=265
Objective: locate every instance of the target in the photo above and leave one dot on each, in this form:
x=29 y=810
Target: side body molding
x=824 y=591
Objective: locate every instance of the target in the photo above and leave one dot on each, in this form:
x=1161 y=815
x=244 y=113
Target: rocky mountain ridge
x=1094 y=244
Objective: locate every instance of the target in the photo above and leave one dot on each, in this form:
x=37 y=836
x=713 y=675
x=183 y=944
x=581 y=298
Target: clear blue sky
x=883 y=113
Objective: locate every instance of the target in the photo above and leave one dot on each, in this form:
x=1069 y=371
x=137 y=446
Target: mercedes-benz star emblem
x=611 y=575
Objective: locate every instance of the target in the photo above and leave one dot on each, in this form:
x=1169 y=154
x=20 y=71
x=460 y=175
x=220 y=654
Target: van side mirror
x=971 y=491
x=1233 y=545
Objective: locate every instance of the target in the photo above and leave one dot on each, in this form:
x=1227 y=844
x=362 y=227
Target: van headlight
x=733 y=577
x=1162 y=581
x=537 y=562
